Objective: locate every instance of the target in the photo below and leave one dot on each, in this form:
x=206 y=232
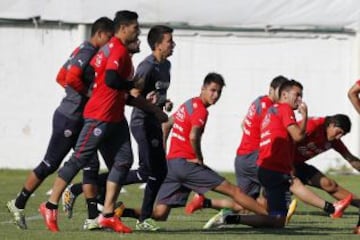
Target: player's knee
x=44 y=169
x=160 y=213
x=329 y=185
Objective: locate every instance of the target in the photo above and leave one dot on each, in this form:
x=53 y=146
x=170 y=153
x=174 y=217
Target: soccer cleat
x=50 y=217
x=18 y=214
x=291 y=211
x=113 y=223
x=68 y=200
x=218 y=219
x=340 y=206
x=356 y=230
x=91 y=224
x=147 y=225
x=196 y=203
x=119 y=209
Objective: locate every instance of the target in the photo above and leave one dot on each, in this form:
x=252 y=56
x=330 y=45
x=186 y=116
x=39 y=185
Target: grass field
x=308 y=222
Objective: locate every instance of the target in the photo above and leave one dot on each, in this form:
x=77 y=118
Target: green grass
x=307 y=223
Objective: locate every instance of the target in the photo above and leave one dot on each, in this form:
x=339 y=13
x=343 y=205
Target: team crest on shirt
x=67 y=133
x=97 y=132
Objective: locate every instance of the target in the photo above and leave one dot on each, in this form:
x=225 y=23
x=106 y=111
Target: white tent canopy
x=263 y=14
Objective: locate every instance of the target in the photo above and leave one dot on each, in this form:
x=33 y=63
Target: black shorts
x=276 y=186
x=305 y=172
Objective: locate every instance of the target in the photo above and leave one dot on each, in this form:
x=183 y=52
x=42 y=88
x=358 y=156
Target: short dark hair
x=156 y=35
x=214 y=78
x=124 y=17
x=277 y=81
x=339 y=120
x=102 y=24
x=287 y=85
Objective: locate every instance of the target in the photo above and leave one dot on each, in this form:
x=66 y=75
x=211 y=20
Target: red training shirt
x=251 y=125
x=276 y=146
x=316 y=141
x=191 y=113
x=107 y=104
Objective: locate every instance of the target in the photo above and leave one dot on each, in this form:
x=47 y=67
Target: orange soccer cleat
x=114 y=223
x=196 y=203
x=340 y=206
x=50 y=217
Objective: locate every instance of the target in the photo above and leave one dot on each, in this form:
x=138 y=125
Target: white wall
x=29 y=94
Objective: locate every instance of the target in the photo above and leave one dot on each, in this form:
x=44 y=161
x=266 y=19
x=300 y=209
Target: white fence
x=31 y=57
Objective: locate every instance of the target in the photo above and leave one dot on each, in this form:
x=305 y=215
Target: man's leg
x=85 y=149
x=329 y=185
x=117 y=145
x=63 y=138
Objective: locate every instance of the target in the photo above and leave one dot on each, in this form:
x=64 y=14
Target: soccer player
x=322 y=134
x=186 y=168
x=154 y=73
x=72 y=191
x=105 y=126
x=67 y=118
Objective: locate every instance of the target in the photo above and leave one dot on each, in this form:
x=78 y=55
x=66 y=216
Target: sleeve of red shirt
x=116 y=60
x=74 y=76
x=340 y=147
x=74 y=79
x=199 y=118
x=60 y=78
x=288 y=116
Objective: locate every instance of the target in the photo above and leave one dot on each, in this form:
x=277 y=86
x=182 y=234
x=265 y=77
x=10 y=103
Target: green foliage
x=307 y=223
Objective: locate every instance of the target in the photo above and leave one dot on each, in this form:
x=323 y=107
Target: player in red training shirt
x=323 y=134
x=67 y=118
x=186 y=168
x=105 y=126
x=279 y=131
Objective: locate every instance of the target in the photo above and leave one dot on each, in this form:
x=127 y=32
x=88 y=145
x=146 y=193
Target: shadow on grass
x=319 y=213
x=294 y=231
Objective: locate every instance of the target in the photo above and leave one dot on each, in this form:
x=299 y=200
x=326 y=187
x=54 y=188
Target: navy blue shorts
x=246 y=174
x=184 y=177
x=277 y=192
x=305 y=172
